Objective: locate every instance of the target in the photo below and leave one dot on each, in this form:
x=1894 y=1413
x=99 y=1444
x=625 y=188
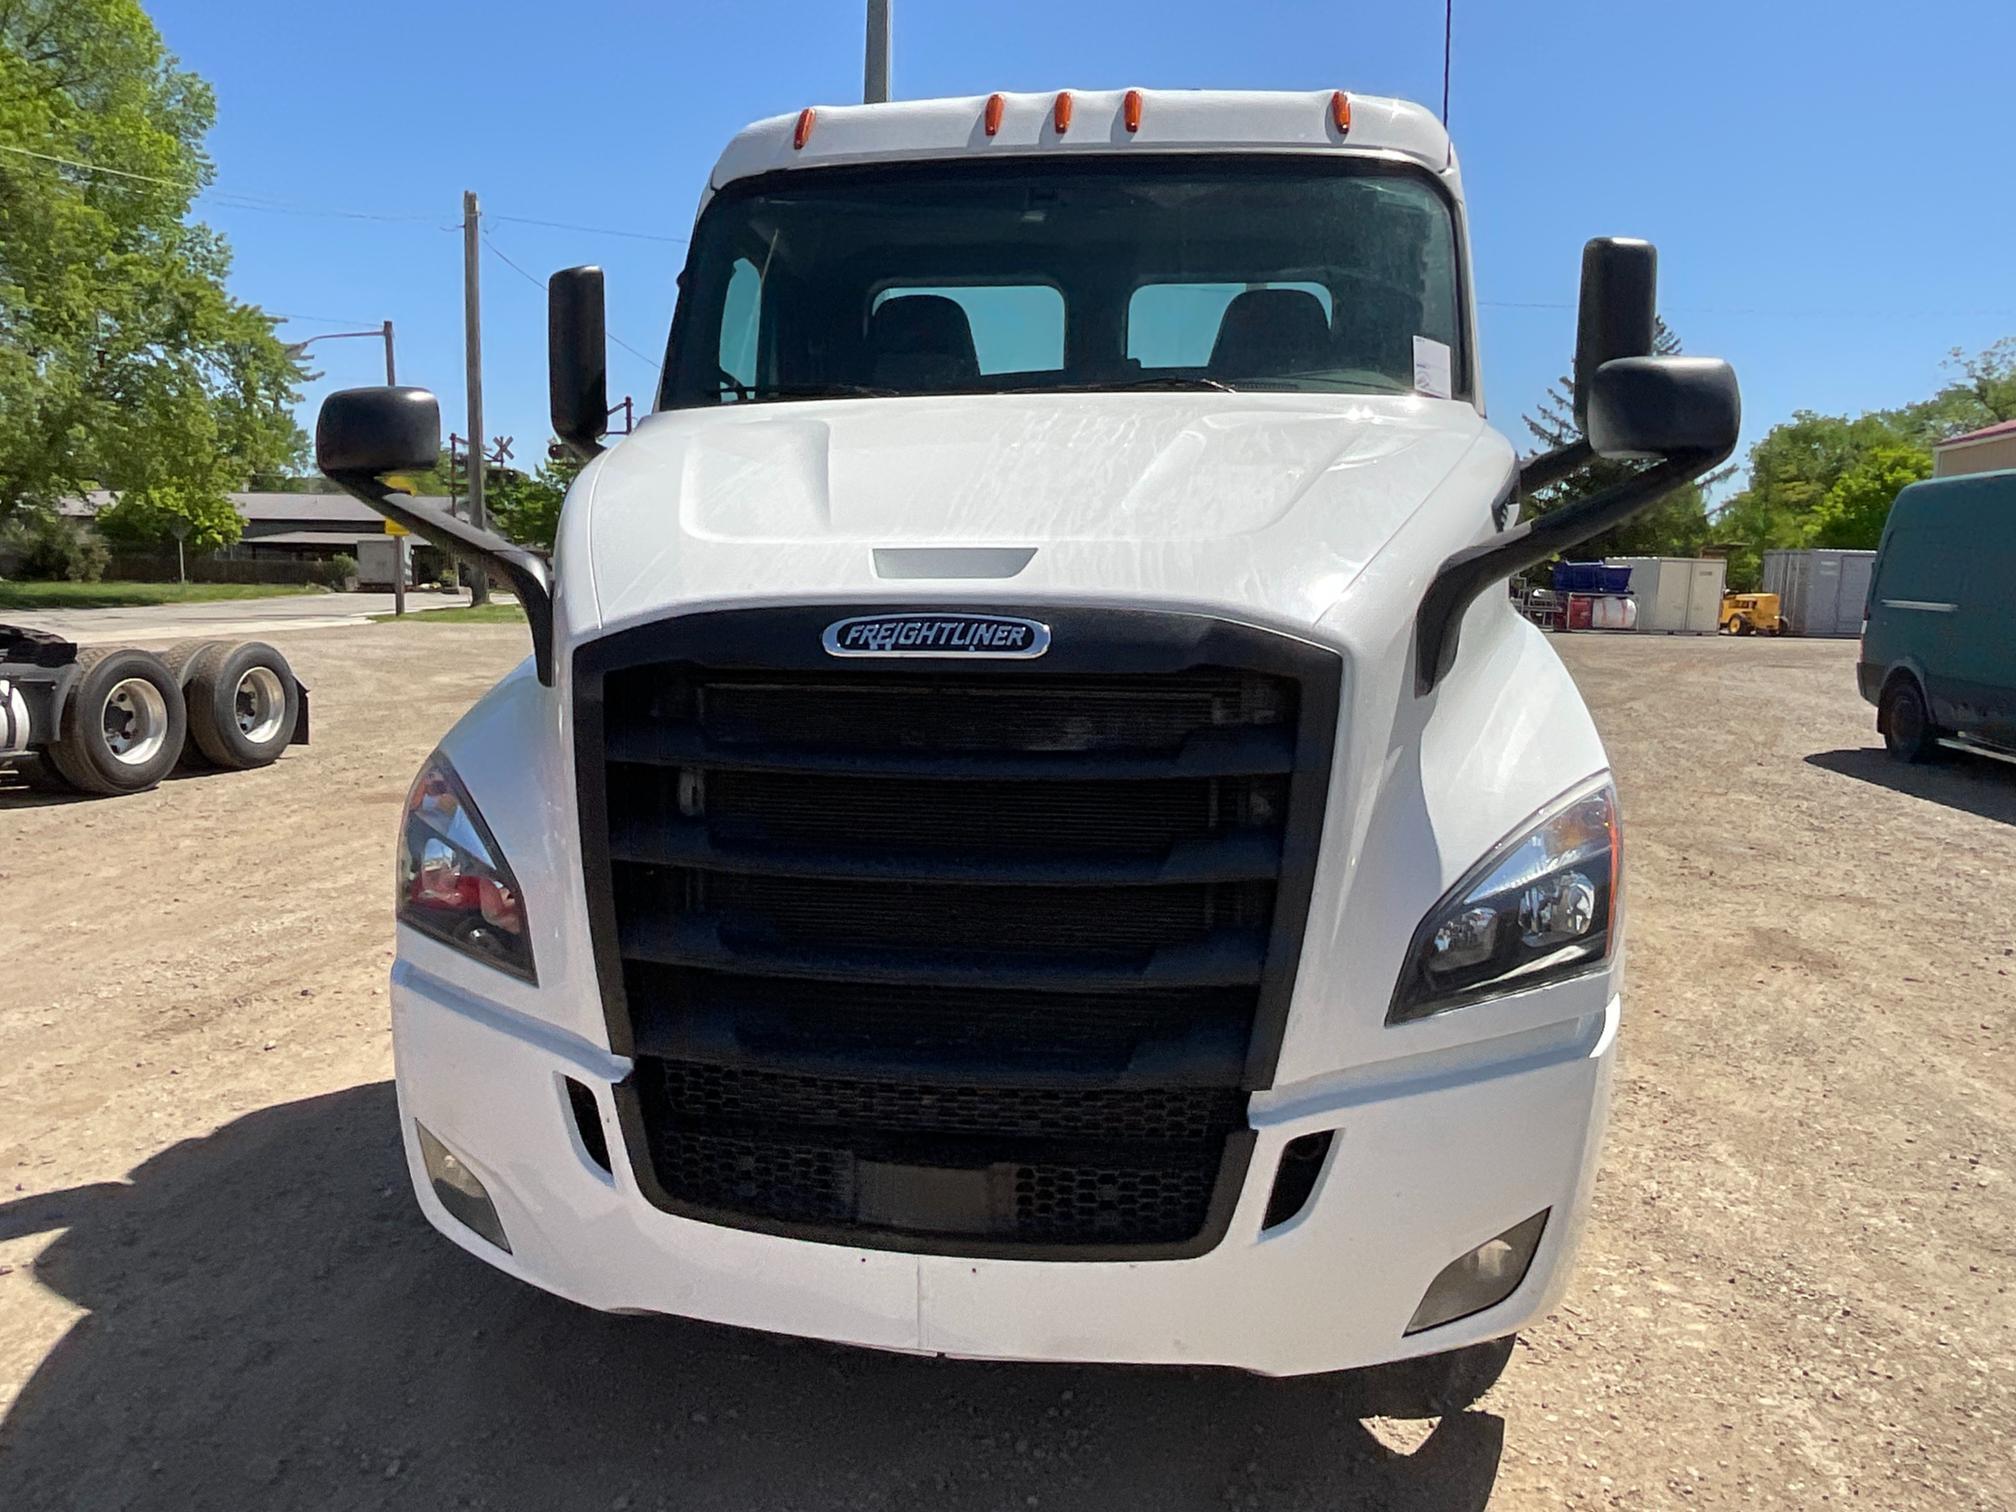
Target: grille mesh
x=921 y=1072
x=738 y=1097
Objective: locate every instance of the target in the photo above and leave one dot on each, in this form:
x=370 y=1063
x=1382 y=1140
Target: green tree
x=124 y=363
x=1676 y=526
x=526 y=506
x=1988 y=380
x=1792 y=469
x=1855 y=508
x=146 y=517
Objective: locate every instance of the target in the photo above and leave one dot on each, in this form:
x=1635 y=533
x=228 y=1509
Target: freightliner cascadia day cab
x=1031 y=829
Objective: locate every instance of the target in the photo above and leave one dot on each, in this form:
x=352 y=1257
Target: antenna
x=1448 y=30
x=875 y=68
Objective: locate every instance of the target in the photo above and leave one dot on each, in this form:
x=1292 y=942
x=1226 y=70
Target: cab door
x=1916 y=611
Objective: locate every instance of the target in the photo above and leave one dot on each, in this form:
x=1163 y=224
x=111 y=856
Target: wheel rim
x=259 y=705
x=135 y=720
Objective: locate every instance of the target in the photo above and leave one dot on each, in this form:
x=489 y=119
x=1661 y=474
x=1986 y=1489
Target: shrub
x=55 y=549
x=338 y=570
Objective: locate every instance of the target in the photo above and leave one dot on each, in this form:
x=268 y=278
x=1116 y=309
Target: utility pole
x=391 y=374
x=875 y=68
x=472 y=339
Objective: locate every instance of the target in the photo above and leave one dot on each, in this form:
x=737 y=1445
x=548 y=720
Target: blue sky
x=1828 y=183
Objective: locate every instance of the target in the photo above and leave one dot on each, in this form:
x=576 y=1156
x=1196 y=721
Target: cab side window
x=741 y=325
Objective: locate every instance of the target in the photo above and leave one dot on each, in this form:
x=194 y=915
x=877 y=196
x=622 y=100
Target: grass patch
x=18 y=595
x=463 y=614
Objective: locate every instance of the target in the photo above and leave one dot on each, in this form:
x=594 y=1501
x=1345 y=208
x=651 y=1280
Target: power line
x=526 y=220
x=228 y=198
x=145 y=178
x=539 y=283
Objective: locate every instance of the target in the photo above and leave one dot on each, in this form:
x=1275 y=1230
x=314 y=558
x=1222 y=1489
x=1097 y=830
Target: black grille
x=742 y=1097
x=965 y=956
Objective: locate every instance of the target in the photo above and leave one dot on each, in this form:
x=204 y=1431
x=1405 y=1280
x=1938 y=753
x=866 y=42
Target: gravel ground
x=215 y=1290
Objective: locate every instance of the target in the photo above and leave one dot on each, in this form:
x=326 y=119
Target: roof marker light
x=1130 y=110
x=992 y=120
x=1061 y=116
x=804 y=130
x=1340 y=112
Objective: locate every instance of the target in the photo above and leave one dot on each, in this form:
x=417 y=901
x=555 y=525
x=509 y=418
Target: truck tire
x=1906 y=723
x=243 y=702
x=123 y=727
x=179 y=658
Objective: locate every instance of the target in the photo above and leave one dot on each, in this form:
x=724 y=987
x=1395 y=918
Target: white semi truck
x=1031 y=829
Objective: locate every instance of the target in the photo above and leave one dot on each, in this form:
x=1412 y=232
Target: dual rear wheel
x=132 y=715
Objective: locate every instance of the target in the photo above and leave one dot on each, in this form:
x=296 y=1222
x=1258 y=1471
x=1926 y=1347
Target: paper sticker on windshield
x=1433 y=369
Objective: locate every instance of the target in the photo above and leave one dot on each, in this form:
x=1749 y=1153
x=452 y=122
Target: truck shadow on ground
x=1974 y=785
x=271 y=1324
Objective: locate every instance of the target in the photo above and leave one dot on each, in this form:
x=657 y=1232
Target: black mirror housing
x=1663 y=407
x=1619 y=310
x=577 y=359
x=363 y=434
x=367 y=432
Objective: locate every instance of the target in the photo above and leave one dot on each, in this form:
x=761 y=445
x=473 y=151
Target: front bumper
x=1432 y=1157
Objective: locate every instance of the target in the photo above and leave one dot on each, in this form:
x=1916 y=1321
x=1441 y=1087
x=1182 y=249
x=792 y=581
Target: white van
x=1030 y=829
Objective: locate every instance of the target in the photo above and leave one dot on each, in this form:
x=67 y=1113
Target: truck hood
x=1273 y=502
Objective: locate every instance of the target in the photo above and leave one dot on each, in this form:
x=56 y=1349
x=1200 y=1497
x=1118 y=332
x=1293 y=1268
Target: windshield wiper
x=1167 y=381
x=754 y=391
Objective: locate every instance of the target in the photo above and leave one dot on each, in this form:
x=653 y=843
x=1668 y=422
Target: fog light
x=1483 y=1278
x=459 y=1190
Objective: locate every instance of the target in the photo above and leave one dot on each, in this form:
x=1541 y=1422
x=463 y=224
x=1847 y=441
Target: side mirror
x=370 y=431
x=577 y=359
x=362 y=434
x=1662 y=407
x=1618 y=313
x=1681 y=413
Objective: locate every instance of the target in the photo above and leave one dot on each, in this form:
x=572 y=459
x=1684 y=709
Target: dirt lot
x=215 y=1290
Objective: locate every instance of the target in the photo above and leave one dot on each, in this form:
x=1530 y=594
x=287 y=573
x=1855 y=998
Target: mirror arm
x=526 y=571
x=1535 y=473
x=1465 y=575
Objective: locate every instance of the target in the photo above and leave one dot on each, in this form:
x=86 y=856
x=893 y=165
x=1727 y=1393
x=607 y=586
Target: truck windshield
x=1283 y=273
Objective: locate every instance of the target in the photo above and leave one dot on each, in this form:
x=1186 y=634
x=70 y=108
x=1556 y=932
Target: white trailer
x=1676 y=595
x=1031 y=828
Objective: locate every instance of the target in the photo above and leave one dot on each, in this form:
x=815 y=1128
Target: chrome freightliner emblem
x=969 y=635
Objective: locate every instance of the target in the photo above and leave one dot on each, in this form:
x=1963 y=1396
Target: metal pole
x=391 y=374
x=472 y=338
x=399 y=574
x=875 y=68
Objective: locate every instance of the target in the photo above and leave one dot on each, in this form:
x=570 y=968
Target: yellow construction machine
x=1751 y=614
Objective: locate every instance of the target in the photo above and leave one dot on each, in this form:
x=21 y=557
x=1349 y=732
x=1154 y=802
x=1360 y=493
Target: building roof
x=261 y=508
x=1986 y=433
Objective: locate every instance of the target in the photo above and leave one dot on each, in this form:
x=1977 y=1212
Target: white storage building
x=1677 y=595
x=1820 y=592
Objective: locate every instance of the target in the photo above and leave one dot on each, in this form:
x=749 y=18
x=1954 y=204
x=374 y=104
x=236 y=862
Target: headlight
x=1540 y=908
x=453 y=880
